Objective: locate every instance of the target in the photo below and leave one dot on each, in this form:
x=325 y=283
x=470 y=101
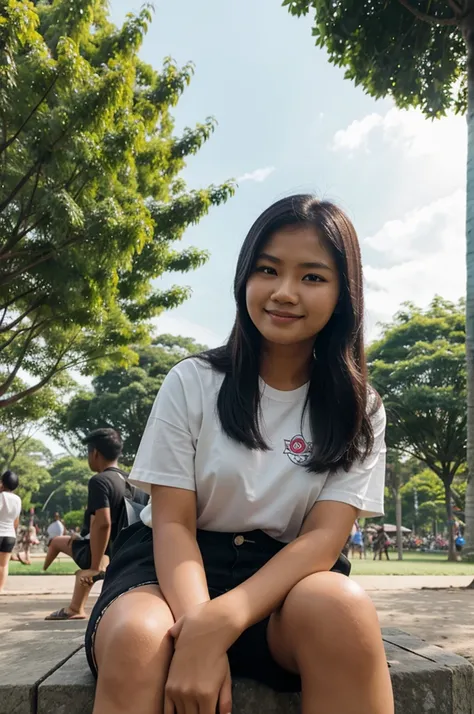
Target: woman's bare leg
x=59 y=544
x=328 y=632
x=133 y=652
x=4 y=560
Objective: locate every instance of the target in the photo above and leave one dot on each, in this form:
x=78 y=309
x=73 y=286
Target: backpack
x=134 y=502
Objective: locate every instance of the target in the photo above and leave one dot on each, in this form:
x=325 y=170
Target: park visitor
x=259 y=457
x=357 y=542
x=381 y=544
x=105 y=501
x=10 y=509
x=55 y=528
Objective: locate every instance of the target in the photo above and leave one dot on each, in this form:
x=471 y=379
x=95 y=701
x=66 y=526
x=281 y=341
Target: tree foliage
x=91 y=199
x=418 y=367
x=31 y=465
x=21 y=420
x=66 y=488
x=412 y=50
x=122 y=398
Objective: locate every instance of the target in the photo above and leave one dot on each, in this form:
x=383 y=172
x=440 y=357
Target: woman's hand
x=199 y=676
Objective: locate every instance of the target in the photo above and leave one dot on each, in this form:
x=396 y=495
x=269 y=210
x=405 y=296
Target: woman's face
x=294 y=288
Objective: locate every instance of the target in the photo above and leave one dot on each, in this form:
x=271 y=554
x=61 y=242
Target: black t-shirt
x=107 y=490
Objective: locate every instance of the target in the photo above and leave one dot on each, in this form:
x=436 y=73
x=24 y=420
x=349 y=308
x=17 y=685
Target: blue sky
x=290 y=118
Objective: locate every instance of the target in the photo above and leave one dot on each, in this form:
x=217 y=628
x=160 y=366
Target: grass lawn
x=65 y=567
x=412 y=564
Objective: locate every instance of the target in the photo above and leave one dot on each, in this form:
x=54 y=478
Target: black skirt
x=229 y=559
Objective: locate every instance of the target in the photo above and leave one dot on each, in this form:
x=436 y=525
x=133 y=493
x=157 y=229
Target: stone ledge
x=425 y=679
x=29 y=656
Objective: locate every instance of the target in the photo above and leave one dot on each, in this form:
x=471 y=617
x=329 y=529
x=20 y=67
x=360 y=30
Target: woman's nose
x=285 y=292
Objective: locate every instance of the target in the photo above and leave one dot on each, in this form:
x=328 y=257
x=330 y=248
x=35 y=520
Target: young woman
x=10 y=509
x=259 y=456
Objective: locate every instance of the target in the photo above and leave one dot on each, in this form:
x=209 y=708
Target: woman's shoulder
x=375 y=408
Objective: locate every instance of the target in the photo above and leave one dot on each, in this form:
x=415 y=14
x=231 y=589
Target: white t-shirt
x=238 y=489
x=55 y=528
x=10 y=509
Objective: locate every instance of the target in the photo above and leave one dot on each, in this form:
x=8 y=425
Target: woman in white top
x=259 y=456
x=10 y=509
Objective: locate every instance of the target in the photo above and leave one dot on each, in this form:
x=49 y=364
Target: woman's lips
x=282 y=317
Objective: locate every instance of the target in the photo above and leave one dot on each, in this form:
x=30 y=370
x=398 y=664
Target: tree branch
x=456 y=6
x=21 y=332
x=10 y=141
x=7 y=383
x=6 y=305
x=431 y=19
x=8 y=277
x=19 y=186
x=53 y=371
x=32 y=307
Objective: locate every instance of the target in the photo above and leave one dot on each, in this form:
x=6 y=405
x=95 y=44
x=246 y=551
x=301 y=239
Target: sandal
x=63 y=614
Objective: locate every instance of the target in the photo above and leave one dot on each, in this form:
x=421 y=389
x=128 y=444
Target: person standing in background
x=10 y=509
x=56 y=528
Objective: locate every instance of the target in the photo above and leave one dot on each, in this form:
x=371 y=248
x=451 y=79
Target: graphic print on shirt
x=298 y=449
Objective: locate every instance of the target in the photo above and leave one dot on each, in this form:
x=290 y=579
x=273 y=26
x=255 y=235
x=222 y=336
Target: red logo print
x=298 y=449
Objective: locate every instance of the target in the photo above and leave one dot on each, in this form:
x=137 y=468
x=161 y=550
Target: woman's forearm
x=265 y=591
x=179 y=568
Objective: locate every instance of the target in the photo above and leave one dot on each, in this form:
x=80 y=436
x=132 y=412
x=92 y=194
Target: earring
x=315 y=356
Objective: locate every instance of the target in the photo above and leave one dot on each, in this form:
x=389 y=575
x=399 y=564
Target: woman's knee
x=132 y=641
x=331 y=613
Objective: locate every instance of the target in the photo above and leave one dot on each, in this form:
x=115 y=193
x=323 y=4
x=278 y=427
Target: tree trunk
x=449 y=513
x=398 y=516
x=468 y=32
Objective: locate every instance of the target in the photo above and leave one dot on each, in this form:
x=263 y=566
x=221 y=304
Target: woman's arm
x=322 y=538
x=178 y=560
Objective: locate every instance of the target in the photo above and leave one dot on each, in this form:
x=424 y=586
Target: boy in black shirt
x=105 y=502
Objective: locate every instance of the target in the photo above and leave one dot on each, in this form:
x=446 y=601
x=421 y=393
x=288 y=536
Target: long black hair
x=338 y=390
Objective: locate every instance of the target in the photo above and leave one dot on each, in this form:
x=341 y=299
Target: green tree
x=91 y=198
x=430 y=499
x=418 y=367
x=66 y=487
x=74 y=519
x=31 y=465
x=122 y=398
x=23 y=419
x=421 y=53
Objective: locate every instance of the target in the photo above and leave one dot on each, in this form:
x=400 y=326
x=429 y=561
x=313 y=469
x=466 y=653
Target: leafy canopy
x=413 y=50
x=418 y=367
x=91 y=198
x=122 y=398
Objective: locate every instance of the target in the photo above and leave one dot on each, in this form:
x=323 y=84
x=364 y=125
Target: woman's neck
x=286 y=367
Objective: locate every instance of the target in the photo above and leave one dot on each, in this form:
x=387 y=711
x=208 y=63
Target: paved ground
x=436 y=608
x=20 y=585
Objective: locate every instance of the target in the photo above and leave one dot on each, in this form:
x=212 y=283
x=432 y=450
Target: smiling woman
x=286 y=291
x=259 y=456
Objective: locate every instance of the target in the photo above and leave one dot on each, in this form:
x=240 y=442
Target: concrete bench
x=425 y=679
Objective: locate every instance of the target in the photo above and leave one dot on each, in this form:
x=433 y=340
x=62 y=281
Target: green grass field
x=66 y=567
x=412 y=564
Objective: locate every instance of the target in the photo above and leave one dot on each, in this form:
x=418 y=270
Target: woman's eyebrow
x=319 y=265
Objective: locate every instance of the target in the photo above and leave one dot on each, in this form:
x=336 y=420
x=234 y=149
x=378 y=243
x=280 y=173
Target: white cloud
x=357 y=133
x=258 y=175
x=169 y=324
x=408 y=131
x=426 y=254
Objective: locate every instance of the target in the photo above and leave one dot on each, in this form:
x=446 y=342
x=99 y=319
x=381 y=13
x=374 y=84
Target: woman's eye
x=266 y=269
x=313 y=278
